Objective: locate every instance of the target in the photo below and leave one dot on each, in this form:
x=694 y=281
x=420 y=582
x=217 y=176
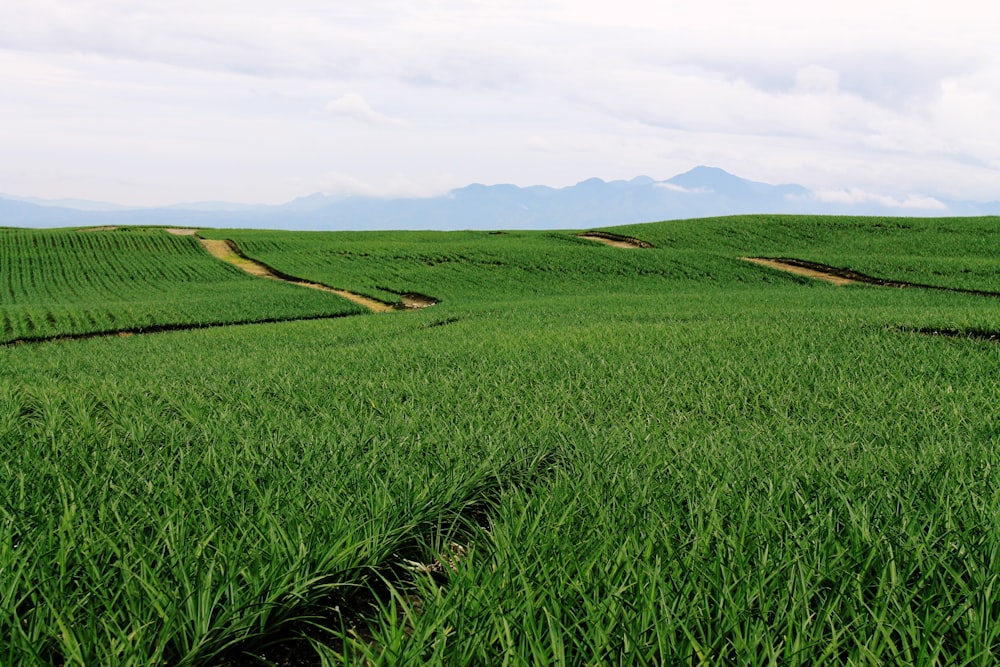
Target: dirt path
x=228 y=252
x=839 y=276
x=180 y=231
x=785 y=265
x=616 y=240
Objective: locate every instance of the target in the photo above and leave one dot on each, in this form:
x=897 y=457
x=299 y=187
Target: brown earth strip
x=180 y=231
x=410 y=299
x=799 y=270
x=616 y=240
x=227 y=251
x=414 y=300
x=841 y=276
x=105 y=228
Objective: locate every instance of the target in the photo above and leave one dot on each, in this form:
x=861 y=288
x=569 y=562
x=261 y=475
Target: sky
x=150 y=102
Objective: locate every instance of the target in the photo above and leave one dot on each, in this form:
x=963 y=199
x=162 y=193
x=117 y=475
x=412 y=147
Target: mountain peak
x=711 y=178
x=700 y=192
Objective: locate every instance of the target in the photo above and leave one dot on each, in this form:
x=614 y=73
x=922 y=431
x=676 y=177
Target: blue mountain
x=700 y=192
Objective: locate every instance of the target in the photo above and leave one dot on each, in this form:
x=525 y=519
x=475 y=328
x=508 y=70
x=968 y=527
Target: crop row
x=583 y=456
x=63 y=282
x=706 y=474
x=947 y=252
x=480 y=266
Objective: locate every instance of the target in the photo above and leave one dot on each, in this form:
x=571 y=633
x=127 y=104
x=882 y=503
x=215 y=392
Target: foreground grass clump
x=698 y=462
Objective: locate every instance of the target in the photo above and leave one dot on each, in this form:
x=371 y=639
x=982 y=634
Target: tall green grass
x=656 y=468
x=762 y=492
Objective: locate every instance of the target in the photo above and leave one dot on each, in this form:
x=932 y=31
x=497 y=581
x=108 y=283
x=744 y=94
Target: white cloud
x=859 y=196
x=537 y=143
x=346 y=185
x=353 y=105
x=673 y=187
x=816 y=80
x=139 y=100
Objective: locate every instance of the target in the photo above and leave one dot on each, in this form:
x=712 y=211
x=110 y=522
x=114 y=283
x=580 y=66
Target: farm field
x=951 y=252
x=68 y=282
x=581 y=455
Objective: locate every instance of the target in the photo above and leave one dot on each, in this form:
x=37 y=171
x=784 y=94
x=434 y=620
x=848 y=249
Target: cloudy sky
x=148 y=102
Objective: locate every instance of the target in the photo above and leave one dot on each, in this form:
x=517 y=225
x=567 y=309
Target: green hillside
x=69 y=282
x=582 y=455
x=950 y=252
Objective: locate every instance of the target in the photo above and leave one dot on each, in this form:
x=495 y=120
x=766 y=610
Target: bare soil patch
x=414 y=300
x=841 y=276
x=180 y=231
x=797 y=269
x=105 y=228
x=228 y=252
x=410 y=300
x=616 y=240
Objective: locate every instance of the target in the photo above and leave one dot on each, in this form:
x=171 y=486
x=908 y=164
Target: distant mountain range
x=701 y=192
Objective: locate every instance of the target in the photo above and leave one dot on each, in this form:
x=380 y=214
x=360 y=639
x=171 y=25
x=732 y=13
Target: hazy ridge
x=700 y=192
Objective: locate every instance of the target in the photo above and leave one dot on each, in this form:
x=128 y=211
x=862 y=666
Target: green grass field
x=67 y=282
x=582 y=455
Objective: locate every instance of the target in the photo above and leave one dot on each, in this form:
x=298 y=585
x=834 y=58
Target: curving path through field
x=616 y=240
x=227 y=251
x=839 y=276
x=788 y=266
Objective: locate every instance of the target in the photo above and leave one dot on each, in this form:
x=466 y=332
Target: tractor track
x=616 y=240
x=164 y=328
x=844 y=276
x=227 y=251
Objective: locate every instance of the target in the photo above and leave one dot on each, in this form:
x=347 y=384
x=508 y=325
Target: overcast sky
x=149 y=102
